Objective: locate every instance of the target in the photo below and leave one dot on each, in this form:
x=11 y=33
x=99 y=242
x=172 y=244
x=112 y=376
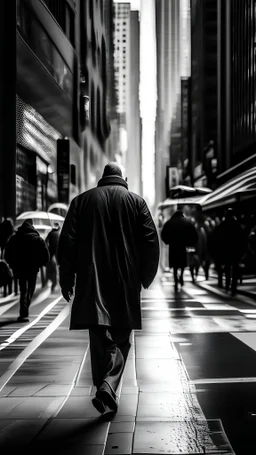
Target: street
x=189 y=385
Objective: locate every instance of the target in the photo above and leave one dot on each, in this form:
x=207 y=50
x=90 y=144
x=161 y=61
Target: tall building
x=203 y=89
x=121 y=51
x=236 y=143
x=112 y=142
x=56 y=101
x=133 y=157
x=96 y=64
x=168 y=33
x=223 y=90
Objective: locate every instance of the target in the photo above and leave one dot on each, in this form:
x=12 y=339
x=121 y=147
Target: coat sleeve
x=149 y=246
x=66 y=253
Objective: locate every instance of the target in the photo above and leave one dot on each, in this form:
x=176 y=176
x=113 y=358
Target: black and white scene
x=128 y=227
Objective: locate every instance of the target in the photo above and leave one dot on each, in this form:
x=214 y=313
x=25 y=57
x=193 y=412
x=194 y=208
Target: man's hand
x=67 y=294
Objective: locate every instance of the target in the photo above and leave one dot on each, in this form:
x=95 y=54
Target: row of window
x=118 y=49
x=65 y=17
x=243 y=72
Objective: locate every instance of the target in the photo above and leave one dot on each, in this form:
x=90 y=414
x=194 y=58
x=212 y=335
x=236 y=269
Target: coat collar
x=112 y=180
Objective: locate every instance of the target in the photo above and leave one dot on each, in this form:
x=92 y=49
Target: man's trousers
x=109 y=348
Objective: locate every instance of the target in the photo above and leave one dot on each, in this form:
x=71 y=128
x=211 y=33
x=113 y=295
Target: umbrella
x=183 y=201
x=58 y=205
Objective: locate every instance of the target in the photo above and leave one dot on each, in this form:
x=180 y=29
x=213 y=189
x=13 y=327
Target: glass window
x=41 y=44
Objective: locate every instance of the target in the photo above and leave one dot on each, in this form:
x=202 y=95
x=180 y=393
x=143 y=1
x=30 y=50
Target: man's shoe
x=22 y=319
x=99 y=405
x=107 y=396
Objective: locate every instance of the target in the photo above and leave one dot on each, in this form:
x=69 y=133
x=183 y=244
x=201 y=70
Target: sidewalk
x=46 y=406
x=246 y=288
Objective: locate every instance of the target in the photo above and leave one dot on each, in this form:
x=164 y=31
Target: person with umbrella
x=179 y=233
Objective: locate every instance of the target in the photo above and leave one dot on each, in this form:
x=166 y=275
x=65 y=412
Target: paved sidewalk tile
x=119 y=443
x=18 y=433
x=193 y=437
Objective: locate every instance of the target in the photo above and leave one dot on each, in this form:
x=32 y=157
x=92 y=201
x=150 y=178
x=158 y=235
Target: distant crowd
x=224 y=243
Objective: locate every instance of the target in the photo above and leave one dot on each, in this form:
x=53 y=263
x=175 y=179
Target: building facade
x=133 y=164
x=223 y=90
x=97 y=99
x=173 y=63
x=47 y=50
x=236 y=143
x=121 y=71
x=56 y=100
x=204 y=98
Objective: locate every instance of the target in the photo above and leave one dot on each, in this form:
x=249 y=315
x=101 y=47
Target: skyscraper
x=133 y=157
x=121 y=49
x=223 y=89
x=168 y=85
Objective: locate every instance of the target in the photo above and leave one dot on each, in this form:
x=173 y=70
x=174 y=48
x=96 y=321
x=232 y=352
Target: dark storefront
x=36 y=176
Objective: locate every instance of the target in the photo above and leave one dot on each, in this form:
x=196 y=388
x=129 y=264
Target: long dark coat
x=228 y=242
x=109 y=243
x=179 y=233
x=26 y=251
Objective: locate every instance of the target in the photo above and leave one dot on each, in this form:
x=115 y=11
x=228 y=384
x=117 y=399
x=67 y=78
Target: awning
x=196 y=200
x=239 y=188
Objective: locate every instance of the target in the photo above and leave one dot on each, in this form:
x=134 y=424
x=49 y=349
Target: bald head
x=112 y=169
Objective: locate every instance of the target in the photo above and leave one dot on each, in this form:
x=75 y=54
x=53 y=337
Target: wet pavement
x=189 y=386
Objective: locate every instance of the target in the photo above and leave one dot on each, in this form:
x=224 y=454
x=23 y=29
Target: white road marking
x=5 y=307
x=73 y=384
x=222 y=380
x=20 y=331
x=22 y=357
x=8 y=306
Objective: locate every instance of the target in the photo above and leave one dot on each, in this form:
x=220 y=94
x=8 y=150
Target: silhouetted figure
x=6 y=231
x=6 y=277
x=52 y=241
x=26 y=252
x=109 y=243
x=204 y=259
x=179 y=233
x=228 y=244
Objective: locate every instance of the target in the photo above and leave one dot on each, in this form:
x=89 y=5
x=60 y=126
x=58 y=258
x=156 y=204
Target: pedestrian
x=26 y=252
x=179 y=233
x=202 y=251
x=228 y=244
x=52 y=241
x=108 y=248
x=6 y=231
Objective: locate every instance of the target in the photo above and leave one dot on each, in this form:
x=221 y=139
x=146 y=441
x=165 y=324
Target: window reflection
x=39 y=41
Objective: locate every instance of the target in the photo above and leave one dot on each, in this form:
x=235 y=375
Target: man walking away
x=228 y=244
x=179 y=233
x=26 y=252
x=52 y=241
x=109 y=243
